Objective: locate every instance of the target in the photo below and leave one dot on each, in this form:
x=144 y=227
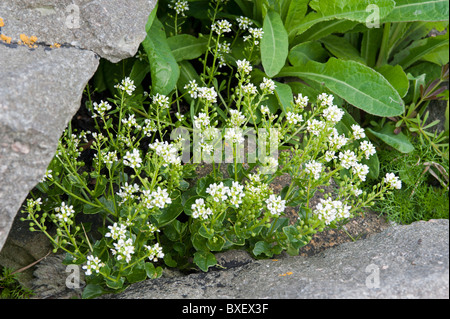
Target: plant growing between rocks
x=124 y=198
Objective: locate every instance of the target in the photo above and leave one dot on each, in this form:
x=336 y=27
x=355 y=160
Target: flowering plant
x=125 y=198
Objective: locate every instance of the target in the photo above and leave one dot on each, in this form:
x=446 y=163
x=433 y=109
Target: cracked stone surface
x=41 y=88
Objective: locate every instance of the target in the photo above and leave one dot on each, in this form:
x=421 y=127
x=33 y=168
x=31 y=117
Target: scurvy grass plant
x=137 y=204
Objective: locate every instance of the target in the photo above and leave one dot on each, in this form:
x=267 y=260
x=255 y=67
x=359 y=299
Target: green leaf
x=426 y=49
x=204 y=260
x=356 y=83
x=370 y=45
x=418 y=10
x=274 y=44
x=396 y=76
x=115 y=284
x=138 y=273
x=262 y=247
x=398 y=141
x=139 y=71
x=341 y=48
x=322 y=29
x=164 y=68
x=152 y=272
x=296 y=11
x=171 y=212
x=186 y=46
x=353 y=10
x=283 y=92
x=92 y=291
x=304 y=52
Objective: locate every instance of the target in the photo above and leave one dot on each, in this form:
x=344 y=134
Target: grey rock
x=40 y=92
x=408 y=261
x=111 y=28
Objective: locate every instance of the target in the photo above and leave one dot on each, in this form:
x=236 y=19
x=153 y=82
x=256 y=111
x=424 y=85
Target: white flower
x=93 y=265
x=333 y=114
x=236 y=193
x=256 y=35
x=234 y=135
x=361 y=170
x=127 y=85
x=199 y=209
x=329 y=156
x=393 y=181
x=294 y=118
x=64 y=212
x=315 y=127
x=155 y=252
x=219 y=192
x=180 y=6
x=314 y=168
x=329 y=210
x=166 y=151
x=236 y=118
x=275 y=205
x=126 y=192
x=158 y=198
x=337 y=141
x=348 y=159
x=221 y=26
x=325 y=99
x=48 y=175
x=367 y=148
x=117 y=231
x=244 y=22
x=161 y=100
x=130 y=122
x=123 y=249
x=358 y=132
x=264 y=110
x=267 y=86
x=244 y=66
x=209 y=94
x=250 y=89
x=201 y=121
x=132 y=159
x=301 y=101
x=149 y=127
x=101 y=108
x=192 y=86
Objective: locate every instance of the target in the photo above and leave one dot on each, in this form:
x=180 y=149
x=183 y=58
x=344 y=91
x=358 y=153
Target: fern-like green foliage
x=10 y=288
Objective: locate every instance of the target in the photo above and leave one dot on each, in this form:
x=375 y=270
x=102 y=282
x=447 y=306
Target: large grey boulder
x=111 y=28
x=401 y=262
x=41 y=88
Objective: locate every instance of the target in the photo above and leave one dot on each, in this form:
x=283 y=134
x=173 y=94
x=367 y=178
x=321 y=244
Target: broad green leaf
x=283 y=92
x=163 y=66
x=204 y=260
x=303 y=52
x=396 y=76
x=322 y=29
x=274 y=44
x=262 y=247
x=186 y=46
x=139 y=71
x=418 y=10
x=370 y=45
x=92 y=291
x=138 y=273
x=398 y=141
x=170 y=212
x=296 y=12
x=353 y=10
x=356 y=83
x=151 y=18
x=433 y=45
x=341 y=48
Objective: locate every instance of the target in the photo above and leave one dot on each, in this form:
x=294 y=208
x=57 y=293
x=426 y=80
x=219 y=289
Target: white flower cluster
x=314 y=168
x=275 y=205
x=123 y=249
x=301 y=101
x=234 y=135
x=93 y=264
x=166 y=151
x=333 y=114
x=219 y=192
x=244 y=66
x=179 y=6
x=236 y=118
x=221 y=27
x=161 y=100
x=155 y=252
x=65 y=212
x=127 y=192
x=392 y=181
x=117 y=231
x=132 y=159
x=267 y=86
x=127 y=85
x=244 y=22
x=256 y=35
x=294 y=118
x=101 y=108
x=158 y=198
x=199 y=209
x=329 y=210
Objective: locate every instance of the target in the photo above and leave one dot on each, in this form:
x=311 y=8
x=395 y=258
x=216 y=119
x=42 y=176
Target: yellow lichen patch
x=5 y=38
x=30 y=41
x=1 y=23
x=286 y=274
x=55 y=45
